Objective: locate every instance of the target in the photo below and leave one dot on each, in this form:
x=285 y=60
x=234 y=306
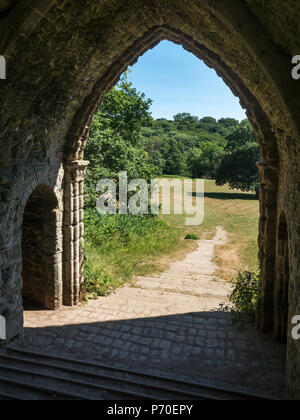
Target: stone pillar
x=267 y=244
x=73 y=230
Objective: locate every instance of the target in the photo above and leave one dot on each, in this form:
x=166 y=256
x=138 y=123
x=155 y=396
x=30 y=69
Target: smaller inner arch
x=41 y=274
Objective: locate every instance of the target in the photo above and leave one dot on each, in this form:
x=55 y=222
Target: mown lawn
x=238 y=214
x=119 y=249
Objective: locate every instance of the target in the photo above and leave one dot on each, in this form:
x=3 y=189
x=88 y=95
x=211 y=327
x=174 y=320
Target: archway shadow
x=203 y=346
x=32 y=306
x=228 y=196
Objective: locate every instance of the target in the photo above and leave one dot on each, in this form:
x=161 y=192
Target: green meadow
x=121 y=247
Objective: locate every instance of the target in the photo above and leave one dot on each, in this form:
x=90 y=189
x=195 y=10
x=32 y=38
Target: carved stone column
x=267 y=243
x=73 y=230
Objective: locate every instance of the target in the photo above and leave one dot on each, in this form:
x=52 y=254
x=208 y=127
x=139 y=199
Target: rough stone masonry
x=61 y=57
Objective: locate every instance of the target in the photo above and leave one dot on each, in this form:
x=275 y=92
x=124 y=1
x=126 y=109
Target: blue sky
x=177 y=81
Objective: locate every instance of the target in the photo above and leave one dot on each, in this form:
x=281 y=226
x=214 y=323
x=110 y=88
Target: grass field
x=238 y=214
x=147 y=246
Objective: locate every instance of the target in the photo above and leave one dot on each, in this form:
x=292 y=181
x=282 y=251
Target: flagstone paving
x=168 y=323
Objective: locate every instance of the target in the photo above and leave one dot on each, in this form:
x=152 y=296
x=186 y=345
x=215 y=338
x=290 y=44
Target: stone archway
x=42 y=281
x=268 y=167
x=62 y=57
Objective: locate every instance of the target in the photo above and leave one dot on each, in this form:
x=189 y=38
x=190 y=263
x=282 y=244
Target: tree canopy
x=238 y=166
x=187 y=145
x=125 y=137
x=115 y=143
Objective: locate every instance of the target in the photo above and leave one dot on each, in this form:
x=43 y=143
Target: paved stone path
x=195 y=275
x=169 y=323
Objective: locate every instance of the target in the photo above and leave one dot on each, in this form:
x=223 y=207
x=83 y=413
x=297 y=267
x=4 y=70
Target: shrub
x=97 y=282
x=245 y=294
x=120 y=229
x=120 y=246
x=192 y=237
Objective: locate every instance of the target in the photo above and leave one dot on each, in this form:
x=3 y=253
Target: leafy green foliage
x=125 y=111
x=187 y=146
x=238 y=167
x=115 y=142
x=120 y=246
x=204 y=161
x=192 y=237
x=120 y=229
x=97 y=282
x=244 y=297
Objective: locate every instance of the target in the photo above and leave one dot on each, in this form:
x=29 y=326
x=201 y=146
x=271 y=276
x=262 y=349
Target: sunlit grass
x=238 y=214
x=149 y=251
x=135 y=251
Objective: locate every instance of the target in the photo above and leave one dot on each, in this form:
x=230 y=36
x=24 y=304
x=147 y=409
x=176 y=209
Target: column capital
x=75 y=170
x=76 y=164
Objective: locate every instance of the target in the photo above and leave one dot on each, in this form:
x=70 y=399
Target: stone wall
x=63 y=56
x=282 y=281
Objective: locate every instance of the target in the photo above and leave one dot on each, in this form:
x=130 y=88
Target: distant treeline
x=125 y=137
x=187 y=145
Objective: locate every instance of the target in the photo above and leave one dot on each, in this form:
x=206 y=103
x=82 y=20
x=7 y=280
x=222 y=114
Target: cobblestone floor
x=167 y=324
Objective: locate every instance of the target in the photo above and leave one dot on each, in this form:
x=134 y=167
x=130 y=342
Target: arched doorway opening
x=268 y=165
x=282 y=282
x=42 y=284
x=245 y=44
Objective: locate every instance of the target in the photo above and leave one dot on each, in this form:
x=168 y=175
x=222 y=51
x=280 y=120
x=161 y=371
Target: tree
x=169 y=144
x=209 y=123
x=228 y=122
x=185 y=116
x=203 y=161
x=227 y=125
x=238 y=167
x=115 y=143
x=153 y=147
x=125 y=111
x=174 y=156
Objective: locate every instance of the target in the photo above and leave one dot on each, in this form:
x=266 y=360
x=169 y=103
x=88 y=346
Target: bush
x=192 y=237
x=244 y=297
x=97 y=282
x=120 y=229
x=117 y=247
